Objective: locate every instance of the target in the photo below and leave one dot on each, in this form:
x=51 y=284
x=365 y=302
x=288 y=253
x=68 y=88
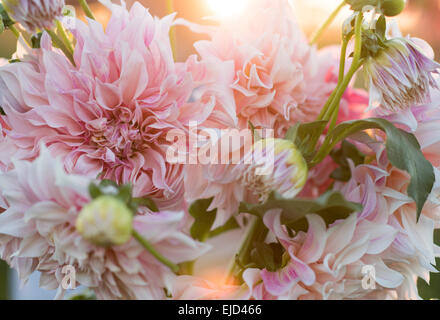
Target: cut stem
x=153 y=251
x=86 y=9
x=64 y=37
x=329 y=20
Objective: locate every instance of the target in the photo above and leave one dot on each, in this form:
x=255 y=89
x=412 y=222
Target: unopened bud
x=105 y=221
x=400 y=76
x=35 y=14
x=276 y=165
x=392 y=8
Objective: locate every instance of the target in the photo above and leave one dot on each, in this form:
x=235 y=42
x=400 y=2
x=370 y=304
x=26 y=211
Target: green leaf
x=121 y=192
x=431 y=290
x=124 y=193
x=204 y=219
x=331 y=206
x=94 y=191
x=108 y=183
x=302 y=134
x=267 y=256
x=2 y=25
x=403 y=152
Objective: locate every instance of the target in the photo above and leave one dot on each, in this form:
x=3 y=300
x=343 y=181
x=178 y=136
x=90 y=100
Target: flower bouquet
x=254 y=169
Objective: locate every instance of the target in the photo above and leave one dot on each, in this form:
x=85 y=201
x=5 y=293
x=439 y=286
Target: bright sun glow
x=227 y=8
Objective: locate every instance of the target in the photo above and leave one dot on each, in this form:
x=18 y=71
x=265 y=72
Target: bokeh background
x=421 y=18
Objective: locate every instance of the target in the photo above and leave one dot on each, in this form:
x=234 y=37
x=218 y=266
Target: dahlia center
x=124 y=138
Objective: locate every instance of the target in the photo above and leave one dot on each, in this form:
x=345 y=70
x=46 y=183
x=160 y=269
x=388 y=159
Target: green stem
x=327 y=23
x=64 y=36
x=334 y=106
x=187 y=268
x=354 y=67
x=17 y=34
x=153 y=251
x=342 y=60
x=173 y=38
x=330 y=100
x=257 y=231
x=334 y=116
x=86 y=9
x=60 y=44
x=327 y=104
x=15 y=31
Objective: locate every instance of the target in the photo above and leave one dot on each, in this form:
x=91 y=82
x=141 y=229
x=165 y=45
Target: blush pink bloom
x=326 y=261
x=269 y=75
x=110 y=114
x=278 y=78
x=222 y=181
x=37 y=233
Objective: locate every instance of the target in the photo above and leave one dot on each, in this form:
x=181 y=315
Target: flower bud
x=400 y=76
x=392 y=8
x=33 y=14
x=275 y=165
x=105 y=221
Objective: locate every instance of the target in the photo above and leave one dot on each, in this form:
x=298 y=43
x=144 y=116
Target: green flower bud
x=105 y=221
x=392 y=8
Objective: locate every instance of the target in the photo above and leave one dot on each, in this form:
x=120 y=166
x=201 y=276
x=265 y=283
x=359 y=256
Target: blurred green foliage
x=431 y=290
x=7 y=44
x=4 y=285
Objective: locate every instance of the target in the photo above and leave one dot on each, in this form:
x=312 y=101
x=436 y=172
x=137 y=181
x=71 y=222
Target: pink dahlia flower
x=110 y=114
x=278 y=78
x=38 y=233
x=328 y=262
x=225 y=182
